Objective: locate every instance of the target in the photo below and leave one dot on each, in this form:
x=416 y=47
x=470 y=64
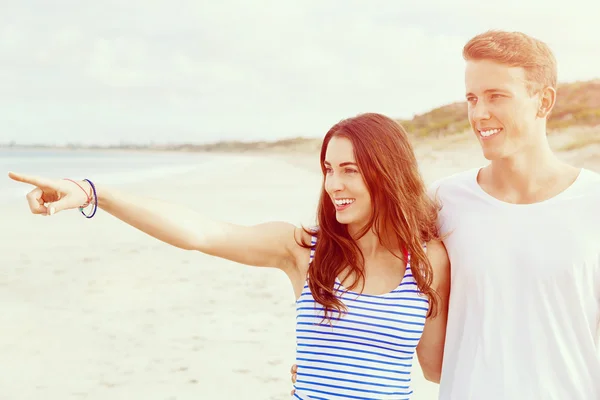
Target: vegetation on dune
x=577 y=109
x=577 y=104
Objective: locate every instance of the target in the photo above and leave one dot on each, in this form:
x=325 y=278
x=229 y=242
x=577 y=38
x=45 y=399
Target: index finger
x=32 y=180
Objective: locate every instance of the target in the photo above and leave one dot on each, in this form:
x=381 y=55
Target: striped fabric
x=368 y=352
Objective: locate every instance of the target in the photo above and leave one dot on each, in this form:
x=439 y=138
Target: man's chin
x=491 y=154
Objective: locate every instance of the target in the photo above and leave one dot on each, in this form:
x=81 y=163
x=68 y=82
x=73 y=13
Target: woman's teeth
x=342 y=202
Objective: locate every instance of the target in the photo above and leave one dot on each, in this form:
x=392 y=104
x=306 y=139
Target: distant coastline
x=577 y=110
x=307 y=145
x=577 y=136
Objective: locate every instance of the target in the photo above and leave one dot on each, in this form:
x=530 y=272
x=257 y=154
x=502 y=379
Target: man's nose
x=480 y=111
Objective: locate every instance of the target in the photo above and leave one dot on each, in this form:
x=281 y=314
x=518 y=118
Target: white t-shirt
x=524 y=318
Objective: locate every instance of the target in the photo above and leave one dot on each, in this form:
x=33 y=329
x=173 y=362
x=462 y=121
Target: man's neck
x=530 y=176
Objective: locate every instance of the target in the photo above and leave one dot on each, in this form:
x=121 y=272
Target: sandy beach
x=94 y=309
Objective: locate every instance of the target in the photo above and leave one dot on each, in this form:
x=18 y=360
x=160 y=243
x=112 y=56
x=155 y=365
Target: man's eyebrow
x=487 y=91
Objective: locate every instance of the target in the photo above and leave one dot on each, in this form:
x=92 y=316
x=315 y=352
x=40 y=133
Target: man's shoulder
x=453 y=182
x=589 y=182
x=591 y=176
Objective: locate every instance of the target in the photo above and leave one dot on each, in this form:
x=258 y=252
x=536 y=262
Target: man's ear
x=547 y=101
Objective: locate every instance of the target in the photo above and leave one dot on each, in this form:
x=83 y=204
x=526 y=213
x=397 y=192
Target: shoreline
x=298 y=144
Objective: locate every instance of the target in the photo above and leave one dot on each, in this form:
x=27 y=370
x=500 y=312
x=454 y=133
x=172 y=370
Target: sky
x=196 y=71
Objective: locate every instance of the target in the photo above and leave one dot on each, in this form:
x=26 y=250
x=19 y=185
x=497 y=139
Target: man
x=523 y=237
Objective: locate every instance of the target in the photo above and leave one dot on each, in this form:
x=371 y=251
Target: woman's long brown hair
x=402 y=210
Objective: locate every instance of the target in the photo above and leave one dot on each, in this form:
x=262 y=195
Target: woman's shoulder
x=307 y=236
x=306 y=241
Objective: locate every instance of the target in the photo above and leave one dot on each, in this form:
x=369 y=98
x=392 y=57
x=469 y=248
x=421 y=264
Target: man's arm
x=430 y=349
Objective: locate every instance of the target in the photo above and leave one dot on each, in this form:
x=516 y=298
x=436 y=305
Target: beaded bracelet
x=95 y=201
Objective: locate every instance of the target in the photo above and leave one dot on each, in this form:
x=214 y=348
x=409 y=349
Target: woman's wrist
x=92 y=198
x=88 y=190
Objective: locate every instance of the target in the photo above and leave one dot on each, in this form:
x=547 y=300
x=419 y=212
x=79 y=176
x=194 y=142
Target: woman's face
x=345 y=185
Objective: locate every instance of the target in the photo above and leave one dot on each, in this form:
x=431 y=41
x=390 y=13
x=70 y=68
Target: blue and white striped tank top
x=365 y=354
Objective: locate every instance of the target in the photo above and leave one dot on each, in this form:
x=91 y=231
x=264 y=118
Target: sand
x=94 y=309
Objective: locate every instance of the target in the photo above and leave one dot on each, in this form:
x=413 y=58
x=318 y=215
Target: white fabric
x=524 y=316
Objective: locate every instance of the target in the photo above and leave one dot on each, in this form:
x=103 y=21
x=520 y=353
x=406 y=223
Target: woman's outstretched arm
x=271 y=244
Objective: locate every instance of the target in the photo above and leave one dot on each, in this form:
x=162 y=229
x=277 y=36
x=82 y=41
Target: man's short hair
x=516 y=49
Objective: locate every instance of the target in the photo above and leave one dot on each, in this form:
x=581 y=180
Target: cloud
x=203 y=71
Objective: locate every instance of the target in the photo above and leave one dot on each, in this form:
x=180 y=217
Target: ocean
x=108 y=167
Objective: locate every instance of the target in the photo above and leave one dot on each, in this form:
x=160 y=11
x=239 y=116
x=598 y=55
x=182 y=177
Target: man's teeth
x=489 y=132
x=341 y=202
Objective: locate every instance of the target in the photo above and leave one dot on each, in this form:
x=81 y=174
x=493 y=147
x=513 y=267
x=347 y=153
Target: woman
x=371 y=281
